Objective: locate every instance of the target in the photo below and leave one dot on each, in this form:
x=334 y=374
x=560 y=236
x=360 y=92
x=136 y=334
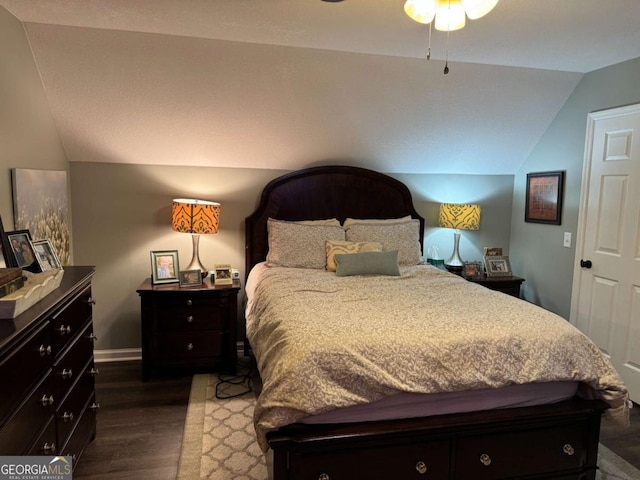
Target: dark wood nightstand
x=508 y=285
x=191 y=328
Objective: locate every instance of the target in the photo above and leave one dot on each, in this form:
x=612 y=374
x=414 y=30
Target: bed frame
x=558 y=441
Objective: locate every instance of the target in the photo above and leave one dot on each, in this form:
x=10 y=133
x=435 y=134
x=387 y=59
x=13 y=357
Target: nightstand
x=188 y=328
x=508 y=285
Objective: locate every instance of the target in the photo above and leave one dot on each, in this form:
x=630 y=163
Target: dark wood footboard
x=558 y=442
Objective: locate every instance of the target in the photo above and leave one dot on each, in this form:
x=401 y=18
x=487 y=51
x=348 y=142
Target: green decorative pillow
x=368 y=263
x=337 y=247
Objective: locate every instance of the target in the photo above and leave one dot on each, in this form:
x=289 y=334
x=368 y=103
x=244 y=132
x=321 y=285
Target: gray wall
x=28 y=135
x=536 y=250
x=122 y=212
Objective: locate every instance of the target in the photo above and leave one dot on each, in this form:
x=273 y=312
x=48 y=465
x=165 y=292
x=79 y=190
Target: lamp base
x=455 y=262
x=195 y=263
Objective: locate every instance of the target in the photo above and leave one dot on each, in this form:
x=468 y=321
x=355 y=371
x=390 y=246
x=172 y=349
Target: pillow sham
x=334 y=248
x=404 y=237
x=374 y=221
x=296 y=245
x=329 y=221
x=368 y=263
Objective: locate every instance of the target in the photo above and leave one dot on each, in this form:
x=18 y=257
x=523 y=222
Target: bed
x=353 y=382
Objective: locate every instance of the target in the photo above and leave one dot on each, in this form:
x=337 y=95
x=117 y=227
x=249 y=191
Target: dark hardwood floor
x=140 y=427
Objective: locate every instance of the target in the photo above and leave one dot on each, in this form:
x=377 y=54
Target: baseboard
x=117 y=355
x=128 y=354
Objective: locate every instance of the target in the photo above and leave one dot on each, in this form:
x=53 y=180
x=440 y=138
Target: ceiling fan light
x=450 y=16
x=478 y=8
x=422 y=11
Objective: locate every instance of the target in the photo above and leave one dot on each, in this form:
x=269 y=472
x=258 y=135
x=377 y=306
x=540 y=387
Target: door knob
x=586 y=263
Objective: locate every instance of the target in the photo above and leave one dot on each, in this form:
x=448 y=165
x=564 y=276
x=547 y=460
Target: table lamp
x=460 y=217
x=195 y=217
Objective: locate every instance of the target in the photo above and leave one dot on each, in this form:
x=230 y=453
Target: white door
x=606 y=283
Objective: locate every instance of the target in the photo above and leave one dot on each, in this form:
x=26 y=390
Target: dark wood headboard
x=326 y=192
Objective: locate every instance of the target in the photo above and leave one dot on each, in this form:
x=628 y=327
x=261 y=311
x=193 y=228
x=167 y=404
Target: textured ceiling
x=217 y=82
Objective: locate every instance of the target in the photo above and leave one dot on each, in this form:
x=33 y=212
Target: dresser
x=47 y=400
x=188 y=328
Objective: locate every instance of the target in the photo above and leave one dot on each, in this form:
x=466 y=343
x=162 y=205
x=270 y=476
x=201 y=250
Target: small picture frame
x=472 y=270
x=46 y=255
x=492 y=251
x=22 y=251
x=497 y=266
x=190 y=278
x=164 y=266
x=543 y=203
x=223 y=275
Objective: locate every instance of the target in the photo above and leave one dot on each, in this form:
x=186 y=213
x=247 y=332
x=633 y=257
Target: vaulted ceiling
x=285 y=83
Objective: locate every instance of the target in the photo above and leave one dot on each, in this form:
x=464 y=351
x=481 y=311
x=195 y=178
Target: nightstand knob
x=189 y=346
x=421 y=467
x=189 y=303
x=568 y=449
x=190 y=318
x=323 y=476
x=485 y=459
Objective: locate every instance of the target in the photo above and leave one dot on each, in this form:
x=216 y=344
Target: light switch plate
x=567 y=240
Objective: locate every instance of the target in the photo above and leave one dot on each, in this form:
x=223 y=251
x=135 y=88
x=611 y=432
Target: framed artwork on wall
x=544 y=197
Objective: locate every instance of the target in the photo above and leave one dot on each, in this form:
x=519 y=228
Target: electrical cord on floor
x=238 y=384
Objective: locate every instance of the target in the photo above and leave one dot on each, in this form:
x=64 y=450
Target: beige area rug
x=219 y=439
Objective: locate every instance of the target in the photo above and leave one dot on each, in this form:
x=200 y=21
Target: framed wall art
x=544 y=197
x=164 y=266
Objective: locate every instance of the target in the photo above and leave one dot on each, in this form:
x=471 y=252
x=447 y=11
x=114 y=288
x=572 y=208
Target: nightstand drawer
x=507 y=455
x=187 y=345
x=193 y=318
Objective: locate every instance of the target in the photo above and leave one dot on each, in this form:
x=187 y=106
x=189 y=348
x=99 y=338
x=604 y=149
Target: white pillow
x=297 y=245
x=404 y=237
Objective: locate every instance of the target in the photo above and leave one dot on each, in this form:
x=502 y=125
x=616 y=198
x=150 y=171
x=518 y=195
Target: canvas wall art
x=40 y=205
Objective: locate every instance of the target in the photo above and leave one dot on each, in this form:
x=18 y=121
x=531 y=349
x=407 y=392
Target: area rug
x=219 y=440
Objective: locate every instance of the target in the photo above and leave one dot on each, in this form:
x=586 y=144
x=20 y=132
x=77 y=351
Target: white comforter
x=324 y=342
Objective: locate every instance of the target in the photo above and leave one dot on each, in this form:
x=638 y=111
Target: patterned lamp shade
x=195 y=216
x=459 y=216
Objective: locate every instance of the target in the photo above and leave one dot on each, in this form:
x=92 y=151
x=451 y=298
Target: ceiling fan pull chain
x=446 y=57
x=429 y=49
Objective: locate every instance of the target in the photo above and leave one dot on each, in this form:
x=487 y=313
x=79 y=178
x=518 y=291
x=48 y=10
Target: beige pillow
x=329 y=221
x=375 y=221
x=404 y=237
x=334 y=248
x=297 y=245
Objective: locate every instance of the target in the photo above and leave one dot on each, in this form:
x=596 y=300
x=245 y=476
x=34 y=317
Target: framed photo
x=190 y=278
x=497 y=266
x=46 y=255
x=472 y=270
x=22 y=251
x=544 y=197
x=223 y=275
x=164 y=266
x=492 y=251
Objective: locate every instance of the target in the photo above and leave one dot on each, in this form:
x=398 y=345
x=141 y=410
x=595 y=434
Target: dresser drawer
x=68 y=367
x=82 y=434
x=66 y=323
x=187 y=345
x=19 y=433
x=33 y=356
x=407 y=462
x=46 y=442
x=507 y=455
x=191 y=314
x=70 y=411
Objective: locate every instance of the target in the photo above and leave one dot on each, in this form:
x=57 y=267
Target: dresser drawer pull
x=44 y=350
x=49 y=448
x=485 y=459
x=568 y=449
x=94 y=371
x=91 y=301
x=46 y=400
x=190 y=319
x=66 y=374
x=93 y=337
x=189 y=346
x=323 y=476
x=67 y=417
x=189 y=303
x=421 y=467
x=94 y=406
x=62 y=329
